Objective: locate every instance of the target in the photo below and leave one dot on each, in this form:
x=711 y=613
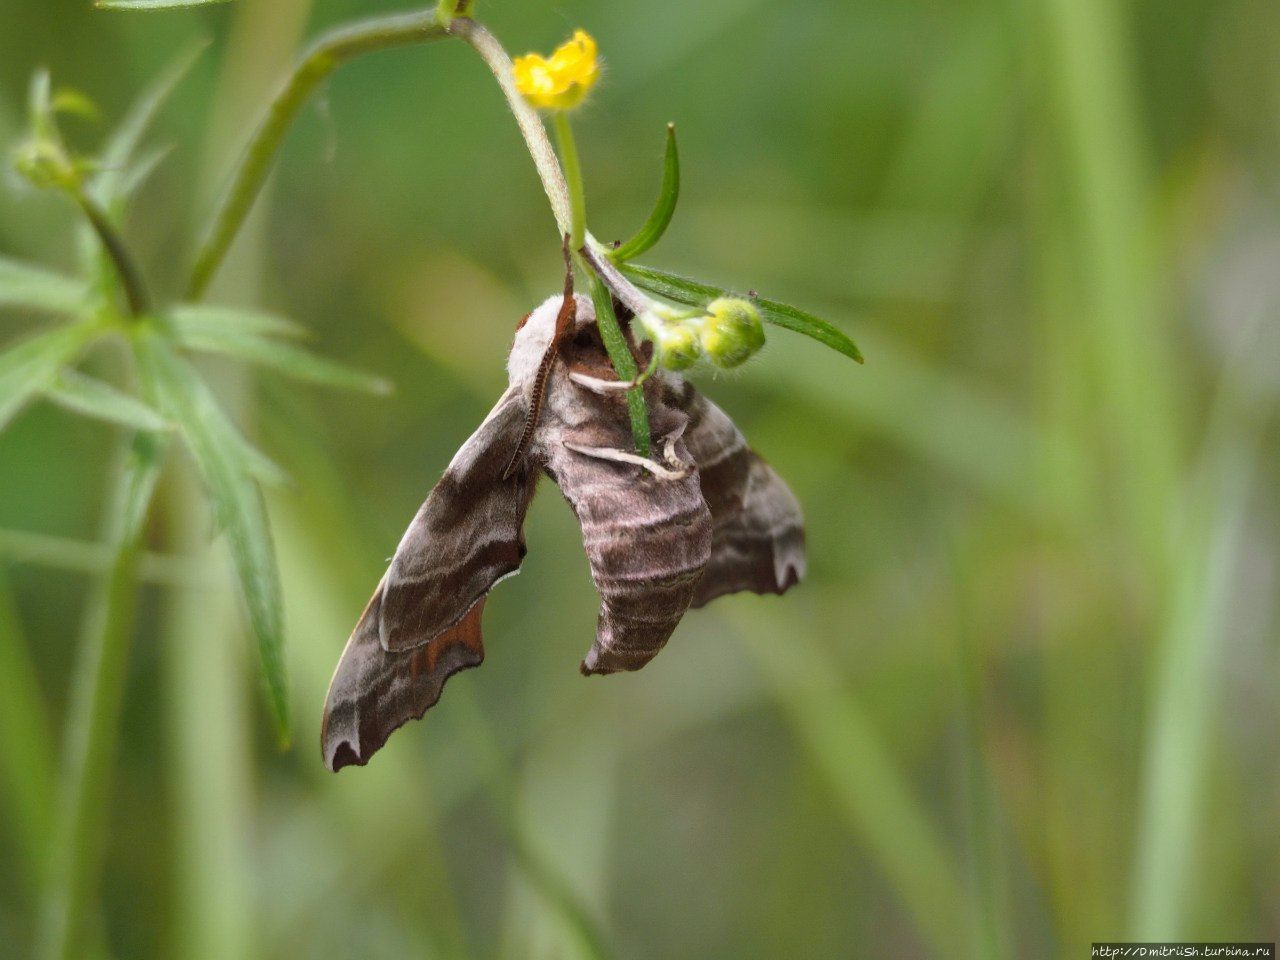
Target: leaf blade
x=284 y=358
x=217 y=447
x=28 y=368
x=152 y=4
x=92 y=397
x=664 y=208
x=33 y=287
x=686 y=290
x=109 y=184
x=190 y=318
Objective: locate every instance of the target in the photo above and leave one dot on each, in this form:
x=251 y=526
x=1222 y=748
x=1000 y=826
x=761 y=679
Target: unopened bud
x=677 y=346
x=675 y=342
x=731 y=332
x=44 y=165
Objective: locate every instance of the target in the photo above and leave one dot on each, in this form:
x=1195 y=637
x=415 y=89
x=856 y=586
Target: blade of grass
x=991 y=924
x=698 y=294
x=218 y=451
x=1186 y=675
x=875 y=798
x=1177 y=754
x=94 y=711
x=1094 y=109
x=668 y=195
x=26 y=763
x=558 y=895
x=934 y=414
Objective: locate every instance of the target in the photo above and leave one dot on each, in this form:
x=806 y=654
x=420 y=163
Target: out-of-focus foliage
x=1025 y=699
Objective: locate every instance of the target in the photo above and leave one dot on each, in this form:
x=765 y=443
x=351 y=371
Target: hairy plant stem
x=324 y=56
x=93 y=720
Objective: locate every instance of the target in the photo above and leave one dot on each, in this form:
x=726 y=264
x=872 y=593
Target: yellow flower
x=562 y=81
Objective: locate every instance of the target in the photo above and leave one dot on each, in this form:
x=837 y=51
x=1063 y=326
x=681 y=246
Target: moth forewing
x=466 y=536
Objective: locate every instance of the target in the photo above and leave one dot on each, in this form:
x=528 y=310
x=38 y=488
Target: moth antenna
x=536 y=394
x=564 y=325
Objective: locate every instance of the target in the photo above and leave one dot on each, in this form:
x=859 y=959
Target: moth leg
x=622 y=456
x=606 y=387
x=669 y=451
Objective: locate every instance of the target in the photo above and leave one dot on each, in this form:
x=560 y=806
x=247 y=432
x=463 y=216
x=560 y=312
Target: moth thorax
x=535 y=336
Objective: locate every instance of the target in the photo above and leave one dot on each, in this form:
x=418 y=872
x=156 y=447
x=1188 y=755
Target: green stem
x=614 y=341
x=135 y=290
x=93 y=715
x=620 y=356
x=26 y=763
x=573 y=175
x=323 y=57
x=447 y=10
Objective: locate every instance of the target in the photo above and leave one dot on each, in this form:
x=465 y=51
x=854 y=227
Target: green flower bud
x=731 y=332
x=45 y=166
x=677 y=346
x=675 y=341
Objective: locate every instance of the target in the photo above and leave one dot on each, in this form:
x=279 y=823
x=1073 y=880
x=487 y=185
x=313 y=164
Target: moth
x=704 y=517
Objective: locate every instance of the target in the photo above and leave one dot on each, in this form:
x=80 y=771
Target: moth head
x=537 y=330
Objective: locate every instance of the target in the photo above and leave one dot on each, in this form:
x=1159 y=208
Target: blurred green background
x=1026 y=698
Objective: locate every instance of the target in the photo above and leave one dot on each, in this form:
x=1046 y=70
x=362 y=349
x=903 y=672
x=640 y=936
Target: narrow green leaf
x=260 y=466
x=151 y=4
x=94 y=398
x=218 y=451
x=696 y=293
x=35 y=288
x=117 y=156
x=285 y=358
x=28 y=368
x=39 y=97
x=94 y=557
x=141 y=170
x=27 y=767
x=660 y=218
x=196 y=319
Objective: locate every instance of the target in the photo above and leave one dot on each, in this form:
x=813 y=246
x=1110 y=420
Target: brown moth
x=704 y=518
